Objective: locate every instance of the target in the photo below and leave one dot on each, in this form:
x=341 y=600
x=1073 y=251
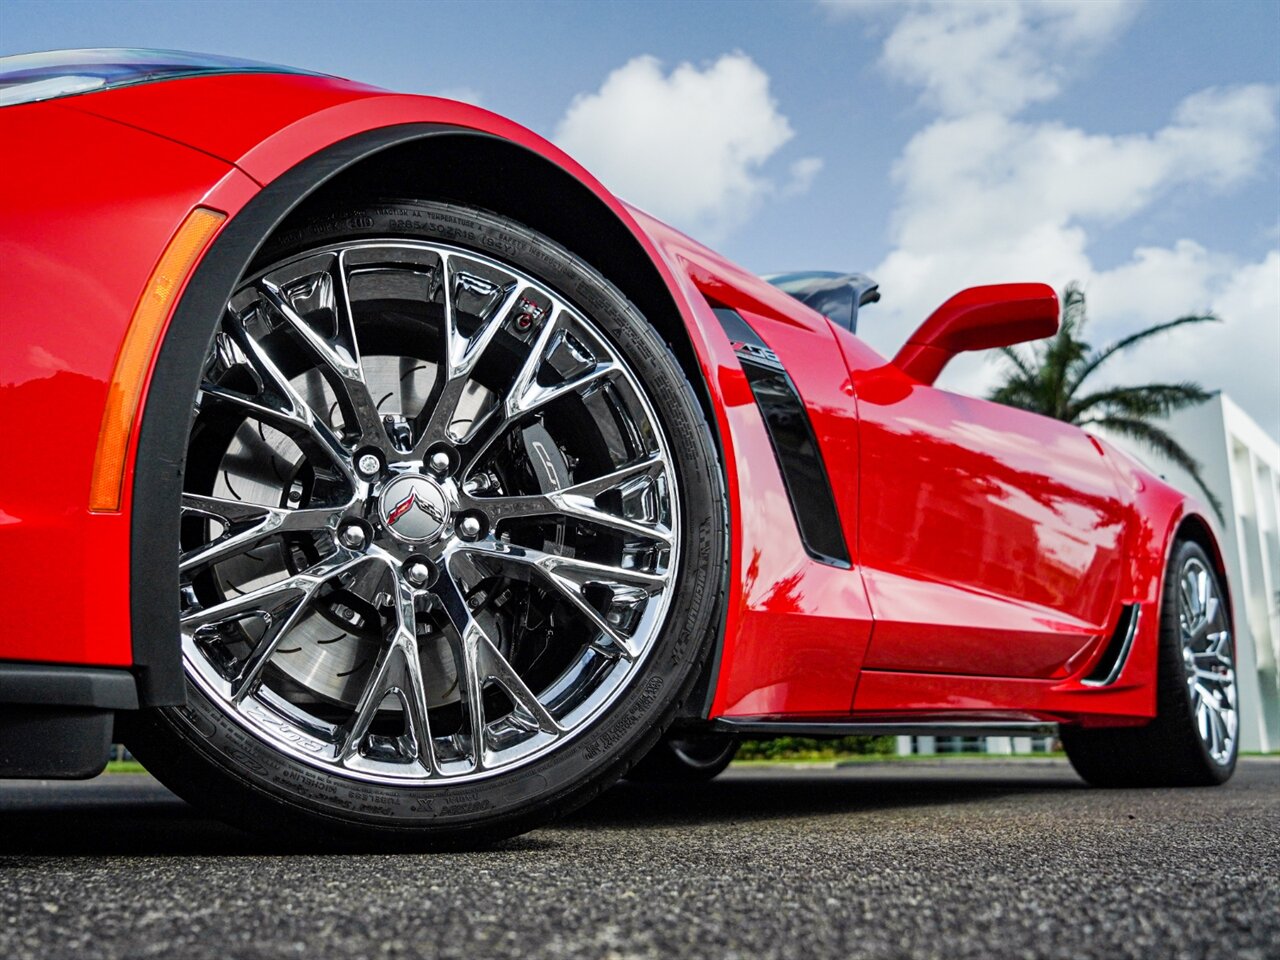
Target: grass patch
x=124 y=766
x=806 y=749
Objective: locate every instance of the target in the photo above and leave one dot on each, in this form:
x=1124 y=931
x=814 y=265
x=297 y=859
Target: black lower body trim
x=52 y=685
x=752 y=727
x=56 y=721
x=53 y=743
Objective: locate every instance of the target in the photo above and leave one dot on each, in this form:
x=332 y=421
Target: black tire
x=1168 y=751
x=686 y=758
x=206 y=757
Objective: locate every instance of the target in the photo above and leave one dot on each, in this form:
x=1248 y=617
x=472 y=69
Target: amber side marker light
x=128 y=379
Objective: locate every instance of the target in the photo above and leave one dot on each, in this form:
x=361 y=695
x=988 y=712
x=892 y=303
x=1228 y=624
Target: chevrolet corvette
x=376 y=475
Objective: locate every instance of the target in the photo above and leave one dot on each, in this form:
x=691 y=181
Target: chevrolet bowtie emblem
x=408 y=503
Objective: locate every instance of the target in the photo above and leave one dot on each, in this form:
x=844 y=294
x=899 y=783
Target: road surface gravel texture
x=948 y=859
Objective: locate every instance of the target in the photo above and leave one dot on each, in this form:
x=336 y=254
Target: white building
x=1241 y=464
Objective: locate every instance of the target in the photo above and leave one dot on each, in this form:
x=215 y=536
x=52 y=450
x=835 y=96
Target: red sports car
x=374 y=473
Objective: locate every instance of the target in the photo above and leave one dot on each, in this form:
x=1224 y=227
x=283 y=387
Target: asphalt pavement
x=908 y=859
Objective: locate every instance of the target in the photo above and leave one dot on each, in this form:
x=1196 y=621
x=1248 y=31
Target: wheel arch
x=487 y=171
x=1196 y=528
x=411 y=160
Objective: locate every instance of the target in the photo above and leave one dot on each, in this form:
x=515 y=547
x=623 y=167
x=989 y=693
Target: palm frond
x=1021 y=393
x=1022 y=382
x=1160 y=441
x=1073 y=308
x=1124 y=343
x=1014 y=356
x=1147 y=400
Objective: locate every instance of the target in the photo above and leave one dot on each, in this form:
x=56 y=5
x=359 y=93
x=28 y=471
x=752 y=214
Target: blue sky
x=1131 y=146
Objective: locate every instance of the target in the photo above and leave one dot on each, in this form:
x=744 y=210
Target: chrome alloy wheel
x=430 y=523
x=1208 y=659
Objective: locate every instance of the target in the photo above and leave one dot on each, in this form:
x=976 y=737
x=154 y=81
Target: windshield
x=807 y=281
x=837 y=296
x=63 y=73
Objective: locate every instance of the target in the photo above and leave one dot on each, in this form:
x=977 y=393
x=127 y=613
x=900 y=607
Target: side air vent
x=793 y=441
x=1108 y=668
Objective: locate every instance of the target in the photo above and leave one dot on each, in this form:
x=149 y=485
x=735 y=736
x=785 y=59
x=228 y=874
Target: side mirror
x=979 y=318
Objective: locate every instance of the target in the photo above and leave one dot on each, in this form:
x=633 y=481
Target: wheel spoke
x=1214 y=676
x=526 y=394
x=483 y=663
x=414 y=689
x=277 y=404
x=396 y=673
x=490 y=666
x=277 y=628
x=266 y=600
x=461 y=354
x=1211 y=659
x=570 y=576
x=1217 y=731
x=279 y=605
x=1206 y=695
x=578 y=501
x=535 y=395
x=570 y=569
x=339 y=355
x=245 y=525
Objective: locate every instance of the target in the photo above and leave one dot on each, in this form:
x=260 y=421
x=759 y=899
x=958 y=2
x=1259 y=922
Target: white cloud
x=688 y=146
x=802 y=173
x=984 y=197
x=1241 y=357
x=971 y=55
x=987 y=199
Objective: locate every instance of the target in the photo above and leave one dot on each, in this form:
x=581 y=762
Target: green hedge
x=802 y=748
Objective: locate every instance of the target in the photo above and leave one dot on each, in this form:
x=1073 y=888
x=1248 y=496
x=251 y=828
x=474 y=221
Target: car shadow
x=107 y=817
x=802 y=793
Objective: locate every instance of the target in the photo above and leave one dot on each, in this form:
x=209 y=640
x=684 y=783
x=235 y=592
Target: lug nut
x=469 y=528
x=368 y=465
x=352 y=536
x=417 y=572
x=439 y=462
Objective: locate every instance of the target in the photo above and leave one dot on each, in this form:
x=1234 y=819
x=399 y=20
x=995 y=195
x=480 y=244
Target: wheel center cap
x=413 y=508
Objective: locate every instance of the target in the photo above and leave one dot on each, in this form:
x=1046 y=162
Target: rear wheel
x=686 y=758
x=1194 y=739
x=450 y=522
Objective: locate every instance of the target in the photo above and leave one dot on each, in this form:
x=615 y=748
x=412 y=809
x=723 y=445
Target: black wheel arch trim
x=1196 y=528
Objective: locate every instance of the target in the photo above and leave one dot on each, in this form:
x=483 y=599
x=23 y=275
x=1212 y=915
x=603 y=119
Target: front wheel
x=450 y=532
x=1194 y=738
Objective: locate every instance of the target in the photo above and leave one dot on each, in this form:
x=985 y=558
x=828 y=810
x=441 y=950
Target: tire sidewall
x=1171 y=663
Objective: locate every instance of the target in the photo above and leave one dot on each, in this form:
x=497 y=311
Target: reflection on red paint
x=991 y=549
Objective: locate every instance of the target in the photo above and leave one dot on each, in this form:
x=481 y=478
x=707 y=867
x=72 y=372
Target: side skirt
x=761 y=727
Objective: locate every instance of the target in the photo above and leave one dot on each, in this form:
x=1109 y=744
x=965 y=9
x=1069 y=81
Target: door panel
x=990 y=538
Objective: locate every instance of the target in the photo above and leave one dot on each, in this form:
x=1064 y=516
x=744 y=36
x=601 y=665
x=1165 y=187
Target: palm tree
x=1050 y=382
